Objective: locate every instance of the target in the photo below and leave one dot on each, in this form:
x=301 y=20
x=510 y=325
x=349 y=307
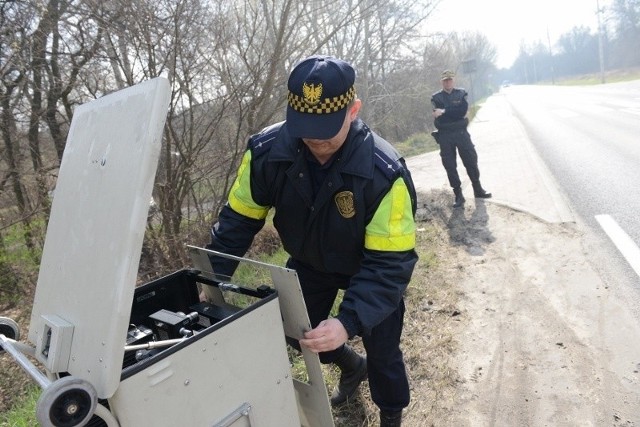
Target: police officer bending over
x=450 y=110
x=344 y=209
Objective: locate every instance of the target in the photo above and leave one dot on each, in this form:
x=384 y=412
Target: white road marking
x=623 y=242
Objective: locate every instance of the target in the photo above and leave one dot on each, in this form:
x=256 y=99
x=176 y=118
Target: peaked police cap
x=447 y=74
x=320 y=89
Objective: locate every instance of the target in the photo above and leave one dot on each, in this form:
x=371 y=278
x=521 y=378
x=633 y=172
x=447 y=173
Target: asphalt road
x=588 y=137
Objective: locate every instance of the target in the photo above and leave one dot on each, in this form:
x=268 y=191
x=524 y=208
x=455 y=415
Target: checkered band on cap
x=325 y=106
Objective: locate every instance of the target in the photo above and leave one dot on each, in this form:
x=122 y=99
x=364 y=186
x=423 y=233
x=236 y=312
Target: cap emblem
x=312 y=93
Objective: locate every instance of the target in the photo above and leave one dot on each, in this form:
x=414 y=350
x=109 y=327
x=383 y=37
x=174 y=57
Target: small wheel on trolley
x=9 y=329
x=67 y=402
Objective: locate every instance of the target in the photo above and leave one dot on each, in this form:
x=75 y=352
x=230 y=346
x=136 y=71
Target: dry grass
x=431 y=320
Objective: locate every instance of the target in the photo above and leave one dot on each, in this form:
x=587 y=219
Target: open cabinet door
x=94 y=237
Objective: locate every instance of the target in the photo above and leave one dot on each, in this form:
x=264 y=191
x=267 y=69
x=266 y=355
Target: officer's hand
x=438 y=112
x=327 y=336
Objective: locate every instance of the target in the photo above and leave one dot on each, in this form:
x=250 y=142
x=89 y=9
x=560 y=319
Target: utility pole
x=553 y=74
x=469 y=67
x=600 y=42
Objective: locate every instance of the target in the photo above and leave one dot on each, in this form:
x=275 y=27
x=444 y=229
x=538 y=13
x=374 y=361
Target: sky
x=509 y=23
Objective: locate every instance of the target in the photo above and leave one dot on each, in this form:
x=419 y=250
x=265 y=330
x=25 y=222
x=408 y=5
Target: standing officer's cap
x=447 y=74
x=320 y=89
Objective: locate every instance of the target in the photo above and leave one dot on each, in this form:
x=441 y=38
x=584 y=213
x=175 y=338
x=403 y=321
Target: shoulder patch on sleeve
x=262 y=142
x=386 y=159
x=392 y=165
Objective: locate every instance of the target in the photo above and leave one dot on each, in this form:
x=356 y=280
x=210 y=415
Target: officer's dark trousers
x=459 y=140
x=387 y=373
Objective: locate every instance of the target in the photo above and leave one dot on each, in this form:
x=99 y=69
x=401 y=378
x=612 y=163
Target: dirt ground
x=535 y=336
x=508 y=323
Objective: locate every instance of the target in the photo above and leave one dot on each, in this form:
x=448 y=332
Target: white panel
x=312 y=397
x=206 y=381
x=313 y=400
x=94 y=237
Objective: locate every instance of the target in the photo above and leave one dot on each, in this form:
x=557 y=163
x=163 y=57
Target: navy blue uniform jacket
x=360 y=223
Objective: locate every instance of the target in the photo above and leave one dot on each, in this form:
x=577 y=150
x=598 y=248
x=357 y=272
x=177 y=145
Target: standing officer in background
x=344 y=209
x=450 y=110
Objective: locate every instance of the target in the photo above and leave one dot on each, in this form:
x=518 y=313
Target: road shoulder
x=541 y=340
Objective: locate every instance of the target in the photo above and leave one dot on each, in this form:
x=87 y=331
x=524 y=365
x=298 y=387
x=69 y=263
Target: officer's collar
x=356 y=154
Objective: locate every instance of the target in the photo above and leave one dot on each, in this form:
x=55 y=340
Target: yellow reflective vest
x=359 y=223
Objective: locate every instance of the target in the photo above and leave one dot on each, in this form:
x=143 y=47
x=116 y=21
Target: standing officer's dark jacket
x=455 y=105
x=360 y=223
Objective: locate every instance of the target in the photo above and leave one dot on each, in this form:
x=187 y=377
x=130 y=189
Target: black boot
x=390 y=419
x=354 y=371
x=479 y=192
x=459 y=197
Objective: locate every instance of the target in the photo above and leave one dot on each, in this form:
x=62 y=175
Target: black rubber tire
x=67 y=402
x=9 y=329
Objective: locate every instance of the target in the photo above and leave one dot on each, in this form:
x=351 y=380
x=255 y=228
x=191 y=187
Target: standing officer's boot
x=390 y=419
x=459 y=197
x=479 y=192
x=354 y=371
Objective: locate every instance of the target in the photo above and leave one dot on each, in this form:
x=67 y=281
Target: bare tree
x=626 y=16
x=227 y=62
x=13 y=50
x=578 y=52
